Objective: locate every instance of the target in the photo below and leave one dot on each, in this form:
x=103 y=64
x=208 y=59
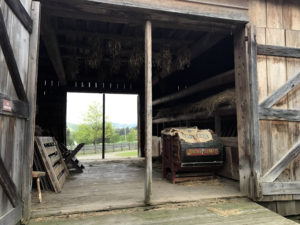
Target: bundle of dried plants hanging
x=95 y=55
x=183 y=59
x=163 y=61
x=113 y=48
x=115 y=65
x=72 y=67
x=136 y=61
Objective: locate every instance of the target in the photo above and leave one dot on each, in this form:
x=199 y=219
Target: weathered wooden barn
x=173 y=54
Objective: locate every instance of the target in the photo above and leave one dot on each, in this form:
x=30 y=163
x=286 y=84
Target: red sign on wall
x=7 y=105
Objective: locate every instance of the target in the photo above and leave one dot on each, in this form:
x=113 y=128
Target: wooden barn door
x=19 y=35
x=276 y=119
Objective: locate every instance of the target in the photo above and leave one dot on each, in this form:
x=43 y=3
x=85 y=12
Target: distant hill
x=74 y=126
x=119 y=125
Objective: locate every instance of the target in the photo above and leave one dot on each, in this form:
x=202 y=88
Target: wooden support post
x=103 y=127
x=218 y=129
x=148 y=99
x=242 y=110
x=139 y=126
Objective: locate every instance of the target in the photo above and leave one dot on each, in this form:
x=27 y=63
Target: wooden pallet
x=53 y=161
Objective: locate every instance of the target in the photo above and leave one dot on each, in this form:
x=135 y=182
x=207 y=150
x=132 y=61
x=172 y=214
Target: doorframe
x=34 y=43
x=247 y=110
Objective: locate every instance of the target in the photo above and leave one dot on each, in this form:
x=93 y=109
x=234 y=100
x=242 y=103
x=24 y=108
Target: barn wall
x=11 y=128
x=51 y=114
x=277 y=23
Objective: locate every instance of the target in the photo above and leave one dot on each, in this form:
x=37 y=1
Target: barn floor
x=218 y=212
x=119 y=184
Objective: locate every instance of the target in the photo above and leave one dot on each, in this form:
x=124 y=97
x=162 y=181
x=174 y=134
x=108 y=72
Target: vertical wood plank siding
x=278 y=24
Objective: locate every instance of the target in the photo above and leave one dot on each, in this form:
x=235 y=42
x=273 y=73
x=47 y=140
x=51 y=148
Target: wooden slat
x=272 y=50
x=280 y=166
x=12 y=216
x=62 y=179
x=8 y=186
x=51 y=150
x=21 y=13
x=58 y=169
x=11 y=61
x=62 y=162
x=221 y=79
x=276 y=78
x=280 y=188
x=279 y=114
x=54 y=159
x=19 y=108
x=282 y=91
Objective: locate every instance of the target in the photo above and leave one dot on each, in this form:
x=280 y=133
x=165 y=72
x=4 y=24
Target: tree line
x=90 y=131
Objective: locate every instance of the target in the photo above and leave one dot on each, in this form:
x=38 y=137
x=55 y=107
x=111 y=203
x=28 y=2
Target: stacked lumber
x=48 y=158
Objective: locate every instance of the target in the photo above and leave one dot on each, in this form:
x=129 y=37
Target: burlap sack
x=189 y=135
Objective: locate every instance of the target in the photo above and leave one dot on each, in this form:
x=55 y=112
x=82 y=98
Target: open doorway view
x=85 y=125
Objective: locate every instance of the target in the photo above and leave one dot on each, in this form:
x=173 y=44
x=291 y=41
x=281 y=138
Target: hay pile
x=225 y=98
x=208 y=105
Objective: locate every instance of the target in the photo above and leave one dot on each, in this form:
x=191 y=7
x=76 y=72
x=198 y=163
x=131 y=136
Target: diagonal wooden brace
x=8 y=186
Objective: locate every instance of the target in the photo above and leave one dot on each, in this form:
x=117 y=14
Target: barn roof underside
x=91 y=44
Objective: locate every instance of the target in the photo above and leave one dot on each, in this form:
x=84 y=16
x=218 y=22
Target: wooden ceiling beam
x=215 y=81
x=130 y=17
x=51 y=45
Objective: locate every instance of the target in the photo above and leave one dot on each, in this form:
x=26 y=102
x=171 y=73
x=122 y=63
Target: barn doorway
x=193 y=85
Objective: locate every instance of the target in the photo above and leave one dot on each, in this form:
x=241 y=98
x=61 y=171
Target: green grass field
x=127 y=154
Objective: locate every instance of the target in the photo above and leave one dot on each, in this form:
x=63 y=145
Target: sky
x=119 y=108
